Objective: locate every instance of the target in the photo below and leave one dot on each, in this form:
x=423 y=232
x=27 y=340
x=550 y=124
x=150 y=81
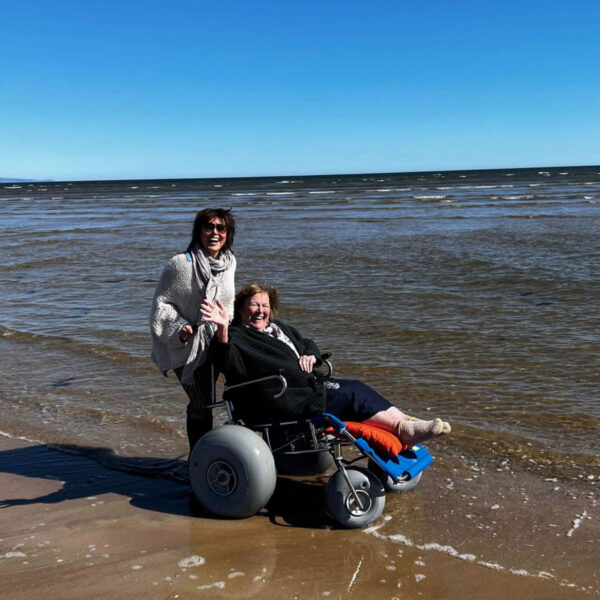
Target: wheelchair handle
x=324 y=360
x=329 y=367
x=281 y=378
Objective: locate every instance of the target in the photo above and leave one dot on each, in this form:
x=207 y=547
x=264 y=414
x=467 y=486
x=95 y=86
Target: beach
x=465 y=295
x=72 y=528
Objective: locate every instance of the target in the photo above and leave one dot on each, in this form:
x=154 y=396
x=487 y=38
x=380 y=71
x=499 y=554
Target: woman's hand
x=214 y=313
x=217 y=314
x=307 y=363
x=185 y=333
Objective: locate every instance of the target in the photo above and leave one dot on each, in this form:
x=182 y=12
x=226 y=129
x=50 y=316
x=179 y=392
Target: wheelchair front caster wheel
x=232 y=472
x=348 y=510
x=389 y=484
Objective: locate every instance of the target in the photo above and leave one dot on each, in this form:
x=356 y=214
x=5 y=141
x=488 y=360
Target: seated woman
x=254 y=346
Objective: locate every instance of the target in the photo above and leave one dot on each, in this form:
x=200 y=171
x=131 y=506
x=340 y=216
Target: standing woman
x=180 y=338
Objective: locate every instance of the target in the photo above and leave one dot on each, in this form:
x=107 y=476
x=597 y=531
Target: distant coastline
x=12 y=180
x=320 y=176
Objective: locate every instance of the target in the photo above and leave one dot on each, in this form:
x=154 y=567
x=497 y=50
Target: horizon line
x=278 y=176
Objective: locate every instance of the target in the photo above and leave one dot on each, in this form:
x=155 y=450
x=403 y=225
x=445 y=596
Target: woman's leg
x=355 y=401
x=199 y=419
x=352 y=400
x=410 y=430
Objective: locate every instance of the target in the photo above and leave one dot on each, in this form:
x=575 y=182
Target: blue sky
x=147 y=89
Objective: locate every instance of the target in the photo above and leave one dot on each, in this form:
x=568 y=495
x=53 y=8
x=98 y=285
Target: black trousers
x=199 y=391
x=354 y=400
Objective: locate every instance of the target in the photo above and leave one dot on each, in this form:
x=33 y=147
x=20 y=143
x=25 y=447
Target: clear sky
x=101 y=89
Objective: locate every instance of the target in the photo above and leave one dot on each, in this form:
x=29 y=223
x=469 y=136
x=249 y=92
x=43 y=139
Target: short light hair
x=250 y=290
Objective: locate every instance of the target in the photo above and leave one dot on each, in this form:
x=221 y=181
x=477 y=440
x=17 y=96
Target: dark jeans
x=199 y=419
x=354 y=400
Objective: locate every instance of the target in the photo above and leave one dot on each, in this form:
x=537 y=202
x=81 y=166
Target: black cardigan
x=251 y=354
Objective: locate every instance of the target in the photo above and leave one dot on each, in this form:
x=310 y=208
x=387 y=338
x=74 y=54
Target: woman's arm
x=166 y=322
x=308 y=350
x=224 y=354
x=217 y=314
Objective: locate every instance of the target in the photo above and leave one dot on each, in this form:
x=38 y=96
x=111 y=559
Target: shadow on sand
x=153 y=484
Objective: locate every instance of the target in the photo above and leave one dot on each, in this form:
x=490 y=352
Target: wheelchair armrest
x=253 y=381
x=324 y=362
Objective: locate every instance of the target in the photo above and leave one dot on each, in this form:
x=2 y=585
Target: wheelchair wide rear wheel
x=232 y=472
x=343 y=506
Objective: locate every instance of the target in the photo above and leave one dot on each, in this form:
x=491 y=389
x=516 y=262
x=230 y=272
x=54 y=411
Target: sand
x=71 y=528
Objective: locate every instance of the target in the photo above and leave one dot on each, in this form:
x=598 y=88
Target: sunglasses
x=210 y=227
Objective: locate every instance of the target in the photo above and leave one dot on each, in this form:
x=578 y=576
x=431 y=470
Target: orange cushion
x=379 y=439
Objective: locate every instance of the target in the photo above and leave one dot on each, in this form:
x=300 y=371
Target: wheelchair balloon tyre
x=232 y=472
x=389 y=484
x=342 y=505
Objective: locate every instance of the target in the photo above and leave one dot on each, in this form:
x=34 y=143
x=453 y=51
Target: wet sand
x=72 y=528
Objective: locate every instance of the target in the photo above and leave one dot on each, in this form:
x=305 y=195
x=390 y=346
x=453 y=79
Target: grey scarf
x=208 y=274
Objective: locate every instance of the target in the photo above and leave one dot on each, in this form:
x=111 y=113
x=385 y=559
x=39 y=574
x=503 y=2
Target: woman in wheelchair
x=254 y=346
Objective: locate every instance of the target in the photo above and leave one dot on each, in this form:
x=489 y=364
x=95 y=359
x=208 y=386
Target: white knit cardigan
x=176 y=303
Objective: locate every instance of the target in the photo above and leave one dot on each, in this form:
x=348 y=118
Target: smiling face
x=256 y=311
x=213 y=236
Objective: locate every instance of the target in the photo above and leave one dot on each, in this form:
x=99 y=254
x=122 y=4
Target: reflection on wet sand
x=75 y=529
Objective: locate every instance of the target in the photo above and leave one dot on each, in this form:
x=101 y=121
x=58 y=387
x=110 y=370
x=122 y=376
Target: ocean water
x=468 y=295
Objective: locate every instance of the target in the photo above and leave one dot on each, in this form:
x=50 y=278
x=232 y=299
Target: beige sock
x=414 y=431
x=446 y=429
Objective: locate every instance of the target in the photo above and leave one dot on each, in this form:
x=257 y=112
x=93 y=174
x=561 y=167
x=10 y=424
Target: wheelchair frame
x=355 y=497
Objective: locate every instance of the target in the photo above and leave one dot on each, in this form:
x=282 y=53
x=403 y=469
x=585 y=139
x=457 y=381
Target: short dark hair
x=254 y=288
x=202 y=219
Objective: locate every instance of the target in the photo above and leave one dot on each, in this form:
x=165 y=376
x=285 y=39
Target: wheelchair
x=233 y=469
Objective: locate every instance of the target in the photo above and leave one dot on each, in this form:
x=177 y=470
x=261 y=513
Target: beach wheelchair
x=233 y=469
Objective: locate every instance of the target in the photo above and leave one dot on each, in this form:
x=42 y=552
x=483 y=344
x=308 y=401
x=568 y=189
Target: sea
x=468 y=295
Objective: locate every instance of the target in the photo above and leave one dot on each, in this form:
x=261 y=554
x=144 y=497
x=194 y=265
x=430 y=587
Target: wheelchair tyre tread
x=341 y=504
x=232 y=472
